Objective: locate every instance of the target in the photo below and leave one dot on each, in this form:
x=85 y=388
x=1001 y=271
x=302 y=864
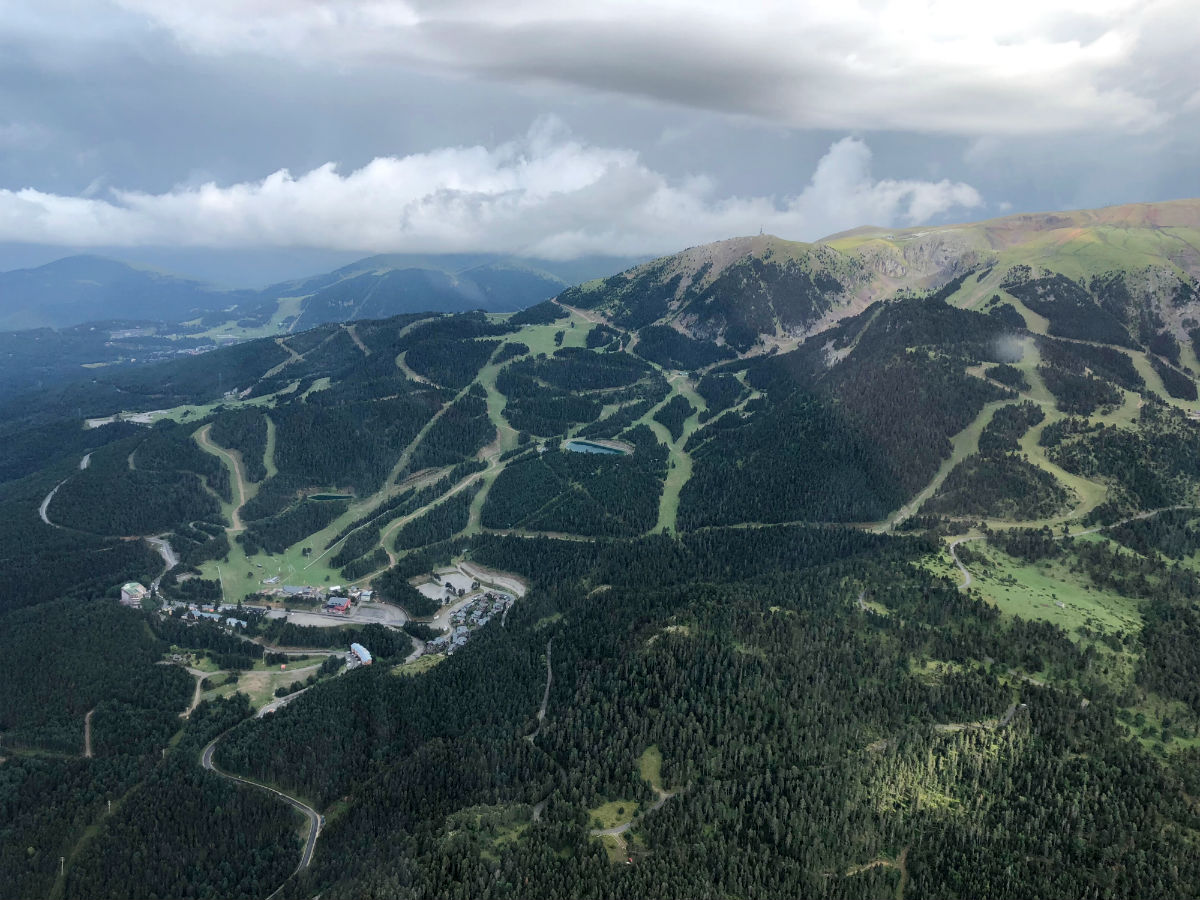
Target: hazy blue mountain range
x=79 y=289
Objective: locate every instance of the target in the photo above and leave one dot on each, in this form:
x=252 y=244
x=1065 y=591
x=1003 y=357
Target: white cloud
x=545 y=195
x=979 y=67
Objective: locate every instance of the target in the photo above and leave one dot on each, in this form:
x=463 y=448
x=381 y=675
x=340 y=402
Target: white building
x=132 y=594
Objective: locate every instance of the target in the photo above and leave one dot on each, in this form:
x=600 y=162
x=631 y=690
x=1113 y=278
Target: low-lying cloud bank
x=546 y=195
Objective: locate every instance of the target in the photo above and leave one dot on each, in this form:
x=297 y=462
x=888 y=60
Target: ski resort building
x=132 y=594
x=338 y=605
x=361 y=653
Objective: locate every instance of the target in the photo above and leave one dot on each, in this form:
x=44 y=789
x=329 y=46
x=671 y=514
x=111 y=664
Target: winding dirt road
x=87 y=734
x=618 y=830
x=199 y=675
x=958 y=562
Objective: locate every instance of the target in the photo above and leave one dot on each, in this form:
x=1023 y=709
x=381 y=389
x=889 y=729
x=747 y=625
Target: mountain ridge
x=82 y=288
x=1156 y=245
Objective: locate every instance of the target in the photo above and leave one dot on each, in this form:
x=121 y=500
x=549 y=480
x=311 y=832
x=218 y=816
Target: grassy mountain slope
x=755 y=293
x=1081 y=243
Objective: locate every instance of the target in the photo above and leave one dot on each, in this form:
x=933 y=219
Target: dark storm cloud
x=665 y=124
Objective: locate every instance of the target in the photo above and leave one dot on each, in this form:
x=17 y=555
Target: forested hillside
x=702 y=580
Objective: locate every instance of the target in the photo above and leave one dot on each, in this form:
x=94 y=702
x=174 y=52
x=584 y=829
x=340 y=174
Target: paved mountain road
x=315 y=819
x=42 y=510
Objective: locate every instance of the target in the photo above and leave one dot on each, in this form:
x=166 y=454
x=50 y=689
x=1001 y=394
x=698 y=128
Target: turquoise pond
x=589 y=447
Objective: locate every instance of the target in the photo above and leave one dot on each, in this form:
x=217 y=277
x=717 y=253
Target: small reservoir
x=578 y=446
x=330 y=496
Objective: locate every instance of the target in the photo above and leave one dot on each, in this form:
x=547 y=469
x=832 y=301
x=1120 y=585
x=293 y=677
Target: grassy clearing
x=242 y=490
x=260 y=686
x=241 y=575
x=286 y=307
x=940 y=566
x=496 y=402
x=1036 y=323
x=420 y=664
x=679 y=462
x=203 y=663
x=1142 y=363
x=540 y=338
x=321 y=384
x=475 y=513
x=614 y=848
x=1187 y=356
x=1088 y=494
x=294 y=662
x=194 y=412
x=1145 y=720
x=491 y=828
x=1031 y=358
x=503 y=837
x=650 y=766
x=1049 y=591
x=612 y=814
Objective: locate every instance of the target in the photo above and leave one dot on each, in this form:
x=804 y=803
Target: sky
x=249 y=140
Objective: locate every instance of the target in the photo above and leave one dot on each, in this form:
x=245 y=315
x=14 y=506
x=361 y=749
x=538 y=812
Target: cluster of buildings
x=225 y=614
x=337 y=600
x=473 y=615
x=217 y=616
